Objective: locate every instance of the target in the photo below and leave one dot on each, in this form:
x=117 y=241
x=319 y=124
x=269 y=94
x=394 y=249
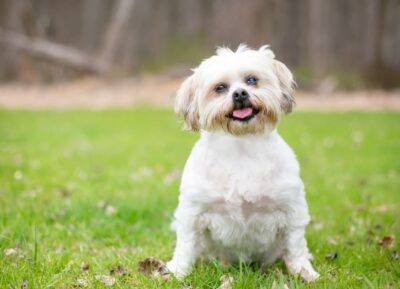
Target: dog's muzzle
x=243 y=110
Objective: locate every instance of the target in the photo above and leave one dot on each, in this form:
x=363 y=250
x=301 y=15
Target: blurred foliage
x=179 y=53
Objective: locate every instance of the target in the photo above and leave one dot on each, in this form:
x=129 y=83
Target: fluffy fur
x=241 y=196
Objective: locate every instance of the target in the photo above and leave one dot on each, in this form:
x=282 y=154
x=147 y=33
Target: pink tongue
x=242 y=113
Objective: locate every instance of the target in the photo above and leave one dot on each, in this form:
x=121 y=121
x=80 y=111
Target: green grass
x=55 y=167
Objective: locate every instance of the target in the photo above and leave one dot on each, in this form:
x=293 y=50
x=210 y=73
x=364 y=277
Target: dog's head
x=241 y=92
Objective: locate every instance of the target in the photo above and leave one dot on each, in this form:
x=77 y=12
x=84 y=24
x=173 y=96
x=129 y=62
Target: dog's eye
x=221 y=88
x=251 y=80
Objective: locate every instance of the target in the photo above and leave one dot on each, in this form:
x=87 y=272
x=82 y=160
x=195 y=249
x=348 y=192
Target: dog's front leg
x=188 y=246
x=297 y=256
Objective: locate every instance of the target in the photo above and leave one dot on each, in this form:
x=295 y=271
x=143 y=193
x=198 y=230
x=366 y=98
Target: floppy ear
x=286 y=84
x=186 y=104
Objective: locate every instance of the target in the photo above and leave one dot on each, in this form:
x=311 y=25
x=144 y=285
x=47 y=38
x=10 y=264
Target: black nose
x=240 y=95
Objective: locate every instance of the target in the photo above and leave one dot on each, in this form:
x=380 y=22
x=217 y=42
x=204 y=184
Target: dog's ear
x=286 y=84
x=186 y=103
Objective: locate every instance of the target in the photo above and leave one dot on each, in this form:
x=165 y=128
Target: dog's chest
x=242 y=225
x=243 y=181
x=245 y=209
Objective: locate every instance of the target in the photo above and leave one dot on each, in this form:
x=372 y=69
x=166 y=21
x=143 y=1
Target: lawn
x=100 y=188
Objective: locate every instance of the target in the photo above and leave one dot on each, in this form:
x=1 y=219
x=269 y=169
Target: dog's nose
x=240 y=95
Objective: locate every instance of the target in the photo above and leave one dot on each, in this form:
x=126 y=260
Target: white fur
x=241 y=193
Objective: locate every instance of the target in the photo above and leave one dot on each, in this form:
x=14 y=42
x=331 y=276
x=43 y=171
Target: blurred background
x=331 y=45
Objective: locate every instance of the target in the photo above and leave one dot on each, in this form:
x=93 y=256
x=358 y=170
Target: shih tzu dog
x=241 y=196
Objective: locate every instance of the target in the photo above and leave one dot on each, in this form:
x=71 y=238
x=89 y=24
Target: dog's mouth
x=243 y=114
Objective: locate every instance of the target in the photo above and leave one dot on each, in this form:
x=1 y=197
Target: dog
x=241 y=195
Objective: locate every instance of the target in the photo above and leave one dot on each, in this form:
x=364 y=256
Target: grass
x=100 y=187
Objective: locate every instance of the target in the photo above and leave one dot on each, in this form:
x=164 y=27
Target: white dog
x=241 y=194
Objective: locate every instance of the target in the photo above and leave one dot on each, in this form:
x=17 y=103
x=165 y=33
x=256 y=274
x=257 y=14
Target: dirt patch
x=160 y=91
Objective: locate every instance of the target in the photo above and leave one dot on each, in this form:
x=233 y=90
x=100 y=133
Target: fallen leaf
x=381 y=209
x=18 y=175
x=318 y=226
x=110 y=210
x=141 y=173
x=362 y=181
x=360 y=208
x=118 y=271
x=84 y=266
x=24 y=284
x=386 y=241
x=81 y=282
x=10 y=252
x=370 y=236
x=64 y=192
x=331 y=256
x=153 y=267
x=333 y=241
x=106 y=280
x=226 y=282
x=101 y=204
x=172 y=176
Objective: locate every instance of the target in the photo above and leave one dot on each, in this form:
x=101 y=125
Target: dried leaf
x=81 y=282
x=18 y=175
x=110 y=210
x=226 y=282
x=333 y=241
x=172 y=176
x=153 y=267
x=331 y=256
x=317 y=226
x=386 y=241
x=381 y=209
x=370 y=236
x=106 y=280
x=64 y=192
x=141 y=173
x=9 y=252
x=84 y=266
x=101 y=204
x=118 y=271
x=362 y=181
x=24 y=284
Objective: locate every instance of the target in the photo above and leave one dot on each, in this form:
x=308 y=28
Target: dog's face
x=242 y=92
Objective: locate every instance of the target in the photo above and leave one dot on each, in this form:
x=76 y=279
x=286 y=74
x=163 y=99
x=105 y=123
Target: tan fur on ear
x=186 y=105
x=286 y=83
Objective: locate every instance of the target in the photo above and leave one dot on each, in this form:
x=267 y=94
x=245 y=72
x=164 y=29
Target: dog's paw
x=178 y=271
x=304 y=268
